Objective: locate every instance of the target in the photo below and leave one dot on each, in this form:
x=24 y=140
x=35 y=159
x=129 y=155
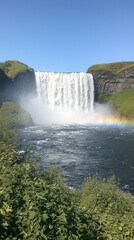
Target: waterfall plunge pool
x=84 y=150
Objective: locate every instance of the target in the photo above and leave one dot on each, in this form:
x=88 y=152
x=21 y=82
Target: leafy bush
x=112 y=207
x=38 y=205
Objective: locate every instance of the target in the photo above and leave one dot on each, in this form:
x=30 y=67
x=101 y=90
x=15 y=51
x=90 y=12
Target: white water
x=66 y=91
x=65 y=98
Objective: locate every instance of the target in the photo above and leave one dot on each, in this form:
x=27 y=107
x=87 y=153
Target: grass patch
x=13 y=117
x=124 y=101
x=114 y=68
x=13 y=68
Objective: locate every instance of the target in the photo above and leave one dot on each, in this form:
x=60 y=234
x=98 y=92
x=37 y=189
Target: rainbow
x=113 y=121
x=92 y=118
x=98 y=119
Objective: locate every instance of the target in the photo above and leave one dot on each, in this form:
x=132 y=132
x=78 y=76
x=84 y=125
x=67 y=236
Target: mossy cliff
x=114 y=83
x=16 y=80
x=113 y=77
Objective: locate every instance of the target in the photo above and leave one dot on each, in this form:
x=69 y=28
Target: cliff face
x=16 y=80
x=112 y=78
x=24 y=84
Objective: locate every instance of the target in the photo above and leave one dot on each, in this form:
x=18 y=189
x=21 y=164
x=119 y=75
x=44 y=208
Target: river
x=84 y=150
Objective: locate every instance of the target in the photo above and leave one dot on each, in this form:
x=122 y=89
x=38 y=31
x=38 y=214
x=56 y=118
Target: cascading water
x=65 y=98
x=66 y=91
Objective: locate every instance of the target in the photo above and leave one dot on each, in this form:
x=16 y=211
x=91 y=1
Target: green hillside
x=114 y=68
x=13 y=68
x=123 y=101
x=13 y=116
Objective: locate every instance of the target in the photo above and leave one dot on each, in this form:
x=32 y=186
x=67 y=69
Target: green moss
x=114 y=68
x=13 y=68
x=103 y=97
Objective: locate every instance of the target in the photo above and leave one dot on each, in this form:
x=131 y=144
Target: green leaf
x=127 y=233
x=26 y=198
x=62 y=217
x=32 y=215
x=44 y=217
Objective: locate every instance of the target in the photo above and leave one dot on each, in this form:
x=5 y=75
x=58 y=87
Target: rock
x=16 y=80
x=109 y=82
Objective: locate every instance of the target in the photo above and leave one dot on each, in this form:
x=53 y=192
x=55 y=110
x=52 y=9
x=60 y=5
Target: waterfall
x=65 y=98
x=66 y=91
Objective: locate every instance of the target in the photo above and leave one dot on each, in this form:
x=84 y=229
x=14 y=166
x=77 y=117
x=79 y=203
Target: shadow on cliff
x=17 y=88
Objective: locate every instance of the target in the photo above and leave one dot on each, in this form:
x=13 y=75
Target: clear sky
x=66 y=35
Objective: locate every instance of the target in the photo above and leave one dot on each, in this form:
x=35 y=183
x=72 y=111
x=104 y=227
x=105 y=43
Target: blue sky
x=66 y=35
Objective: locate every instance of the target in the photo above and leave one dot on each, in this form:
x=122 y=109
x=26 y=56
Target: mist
x=43 y=114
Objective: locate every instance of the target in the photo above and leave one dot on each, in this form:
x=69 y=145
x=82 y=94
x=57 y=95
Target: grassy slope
x=13 y=68
x=114 y=68
x=124 y=101
x=12 y=116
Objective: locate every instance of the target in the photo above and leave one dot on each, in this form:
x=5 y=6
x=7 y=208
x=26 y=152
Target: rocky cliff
x=112 y=78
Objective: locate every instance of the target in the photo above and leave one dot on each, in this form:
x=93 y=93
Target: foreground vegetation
x=37 y=204
x=123 y=101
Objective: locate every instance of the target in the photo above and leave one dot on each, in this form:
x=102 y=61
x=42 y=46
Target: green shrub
x=112 y=207
x=37 y=204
